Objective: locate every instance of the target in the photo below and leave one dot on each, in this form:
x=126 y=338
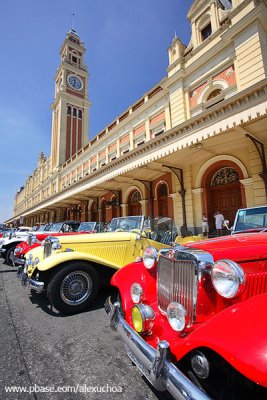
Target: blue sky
x=126 y=44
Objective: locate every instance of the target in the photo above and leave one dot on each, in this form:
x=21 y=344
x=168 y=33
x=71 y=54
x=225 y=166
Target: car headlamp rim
x=136 y=293
x=150 y=257
x=229 y=271
x=147 y=316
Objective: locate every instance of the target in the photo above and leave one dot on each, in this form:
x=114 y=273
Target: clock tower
x=71 y=105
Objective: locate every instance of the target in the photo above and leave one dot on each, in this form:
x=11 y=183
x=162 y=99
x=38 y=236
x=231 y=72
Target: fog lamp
x=142 y=318
x=176 y=316
x=150 y=257
x=228 y=278
x=136 y=292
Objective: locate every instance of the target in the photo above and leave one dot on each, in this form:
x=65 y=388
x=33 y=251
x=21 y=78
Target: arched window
x=135 y=197
x=224 y=176
x=134 y=205
x=213 y=94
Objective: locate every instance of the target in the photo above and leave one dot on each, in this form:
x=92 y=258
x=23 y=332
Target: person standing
x=219 y=218
x=205 y=225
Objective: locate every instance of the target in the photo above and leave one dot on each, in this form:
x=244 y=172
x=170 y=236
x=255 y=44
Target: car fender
x=12 y=242
x=238 y=334
x=60 y=258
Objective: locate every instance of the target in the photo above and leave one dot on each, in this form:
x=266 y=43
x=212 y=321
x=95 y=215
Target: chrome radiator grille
x=177 y=281
x=29 y=241
x=47 y=247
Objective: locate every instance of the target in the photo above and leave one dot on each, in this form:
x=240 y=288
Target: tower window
x=74 y=59
x=226 y=4
x=74 y=113
x=213 y=94
x=69 y=110
x=80 y=114
x=206 y=32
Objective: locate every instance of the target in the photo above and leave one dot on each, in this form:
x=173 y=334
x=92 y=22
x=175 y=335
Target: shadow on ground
x=41 y=301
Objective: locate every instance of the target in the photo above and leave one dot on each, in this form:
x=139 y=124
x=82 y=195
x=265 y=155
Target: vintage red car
x=193 y=318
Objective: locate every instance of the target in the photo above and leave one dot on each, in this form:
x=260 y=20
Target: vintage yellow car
x=71 y=269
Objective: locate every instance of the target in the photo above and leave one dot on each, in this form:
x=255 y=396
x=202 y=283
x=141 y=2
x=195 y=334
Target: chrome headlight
x=29 y=260
x=17 y=250
x=150 y=257
x=56 y=245
x=176 y=316
x=228 y=278
x=136 y=293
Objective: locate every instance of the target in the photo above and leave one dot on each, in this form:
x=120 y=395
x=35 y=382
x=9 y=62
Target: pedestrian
x=219 y=218
x=205 y=225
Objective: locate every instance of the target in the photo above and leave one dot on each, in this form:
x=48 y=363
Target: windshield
x=87 y=226
x=251 y=218
x=162 y=230
x=126 y=224
x=55 y=227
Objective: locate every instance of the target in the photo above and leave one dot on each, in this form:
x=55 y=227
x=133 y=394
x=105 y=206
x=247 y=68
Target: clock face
x=75 y=82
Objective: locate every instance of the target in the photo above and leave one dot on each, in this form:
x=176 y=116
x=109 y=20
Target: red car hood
x=239 y=247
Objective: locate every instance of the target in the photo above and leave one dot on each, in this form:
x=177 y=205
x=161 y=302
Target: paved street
x=41 y=348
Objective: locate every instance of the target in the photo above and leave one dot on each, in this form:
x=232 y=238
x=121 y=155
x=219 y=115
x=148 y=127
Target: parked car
x=25 y=234
x=11 y=239
x=71 y=269
x=35 y=239
x=193 y=317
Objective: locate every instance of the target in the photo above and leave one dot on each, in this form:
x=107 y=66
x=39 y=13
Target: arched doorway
x=94 y=212
x=162 y=196
x=223 y=191
x=134 y=205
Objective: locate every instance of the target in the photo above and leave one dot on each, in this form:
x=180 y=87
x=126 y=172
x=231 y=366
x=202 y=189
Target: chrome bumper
x=31 y=283
x=154 y=364
x=17 y=261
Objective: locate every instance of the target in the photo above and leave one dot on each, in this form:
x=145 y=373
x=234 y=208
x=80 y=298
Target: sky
x=126 y=53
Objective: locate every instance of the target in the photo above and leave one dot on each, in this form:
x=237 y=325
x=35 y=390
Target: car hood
x=238 y=247
x=96 y=237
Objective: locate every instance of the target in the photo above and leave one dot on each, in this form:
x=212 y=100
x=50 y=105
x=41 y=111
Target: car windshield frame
x=250 y=219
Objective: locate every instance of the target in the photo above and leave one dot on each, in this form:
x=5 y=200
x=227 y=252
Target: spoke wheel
x=73 y=287
x=76 y=287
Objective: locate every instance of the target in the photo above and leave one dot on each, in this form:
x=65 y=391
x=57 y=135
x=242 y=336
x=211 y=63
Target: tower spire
x=72 y=24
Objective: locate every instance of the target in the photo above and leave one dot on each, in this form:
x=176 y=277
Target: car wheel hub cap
x=76 y=288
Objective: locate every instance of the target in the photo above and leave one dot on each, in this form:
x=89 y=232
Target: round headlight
x=136 y=293
x=176 y=316
x=137 y=319
x=150 y=257
x=228 y=278
x=142 y=318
